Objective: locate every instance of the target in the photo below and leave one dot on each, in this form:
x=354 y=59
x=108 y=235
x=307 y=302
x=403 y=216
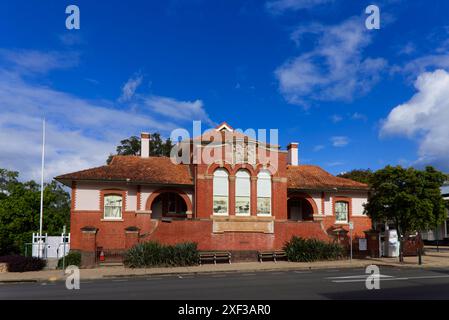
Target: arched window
x=242 y=193
x=113 y=206
x=264 y=193
x=221 y=192
x=341 y=211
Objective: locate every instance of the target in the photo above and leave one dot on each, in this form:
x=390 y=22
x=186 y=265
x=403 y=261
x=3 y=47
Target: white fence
x=50 y=247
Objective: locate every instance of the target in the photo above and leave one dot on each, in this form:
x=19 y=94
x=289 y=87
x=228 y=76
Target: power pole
x=42 y=189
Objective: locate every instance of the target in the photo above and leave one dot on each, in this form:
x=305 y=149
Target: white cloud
x=335 y=70
x=359 y=116
x=335 y=164
x=181 y=110
x=278 y=6
x=336 y=118
x=37 y=61
x=318 y=148
x=425 y=63
x=130 y=87
x=425 y=117
x=339 y=141
x=80 y=133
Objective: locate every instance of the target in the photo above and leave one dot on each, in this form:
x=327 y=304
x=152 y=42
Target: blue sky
x=352 y=97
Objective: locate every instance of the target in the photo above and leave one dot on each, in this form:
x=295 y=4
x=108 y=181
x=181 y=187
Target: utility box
x=391 y=243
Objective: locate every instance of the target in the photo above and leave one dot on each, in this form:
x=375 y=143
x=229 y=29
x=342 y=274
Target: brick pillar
x=131 y=237
x=232 y=195
x=372 y=237
x=253 y=195
x=88 y=246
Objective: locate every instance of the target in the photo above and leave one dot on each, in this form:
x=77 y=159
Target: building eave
x=68 y=182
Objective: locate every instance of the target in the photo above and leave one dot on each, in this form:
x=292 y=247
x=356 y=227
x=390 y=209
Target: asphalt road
x=395 y=283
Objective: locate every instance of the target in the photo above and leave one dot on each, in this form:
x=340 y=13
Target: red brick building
x=238 y=200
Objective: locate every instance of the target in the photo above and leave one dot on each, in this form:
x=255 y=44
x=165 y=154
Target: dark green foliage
x=18 y=263
x=19 y=211
x=132 y=145
x=308 y=250
x=71 y=259
x=153 y=254
x=409 y=198
x=359 y=175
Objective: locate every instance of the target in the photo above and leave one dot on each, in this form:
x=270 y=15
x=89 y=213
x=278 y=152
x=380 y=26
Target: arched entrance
x=301 y=207
x=168 y=204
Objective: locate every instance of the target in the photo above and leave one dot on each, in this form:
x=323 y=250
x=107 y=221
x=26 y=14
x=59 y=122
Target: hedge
x=17 y=263
x=154 y=254
x=73 y=258
x=308 y=250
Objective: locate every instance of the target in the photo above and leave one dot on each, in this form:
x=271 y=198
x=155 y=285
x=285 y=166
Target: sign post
x=351 y=227
x=63 y=245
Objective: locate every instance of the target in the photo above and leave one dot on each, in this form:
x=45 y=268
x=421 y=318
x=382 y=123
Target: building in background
x=236 y=203
x=441 y=232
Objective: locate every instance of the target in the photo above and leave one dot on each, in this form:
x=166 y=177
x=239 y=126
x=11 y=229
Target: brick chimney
x=145 y=145
x=293 y=153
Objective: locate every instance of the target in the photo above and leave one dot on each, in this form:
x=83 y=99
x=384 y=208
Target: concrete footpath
x=432 y=259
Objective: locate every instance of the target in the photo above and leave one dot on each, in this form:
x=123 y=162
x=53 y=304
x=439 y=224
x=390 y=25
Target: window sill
x=112 y=220
x=341 y=222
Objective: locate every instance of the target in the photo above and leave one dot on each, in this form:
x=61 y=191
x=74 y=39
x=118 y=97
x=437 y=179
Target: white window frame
x=222 y=175
x=243 y=177
x=264 y=176
x=347 y=212
x=108 y=206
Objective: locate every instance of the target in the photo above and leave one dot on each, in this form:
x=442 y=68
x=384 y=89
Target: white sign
x=351 y=225
x=363 y=245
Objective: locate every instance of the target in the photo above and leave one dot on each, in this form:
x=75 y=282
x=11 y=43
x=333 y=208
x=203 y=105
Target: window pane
x=264 y=205
x=220 y=191
x=113 y=206
x=264 y=192
x=242 y=204
x=220 y=204
x=242 y=184
x=341 y=211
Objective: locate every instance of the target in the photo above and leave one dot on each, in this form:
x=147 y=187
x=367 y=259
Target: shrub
x=307 y=250
x=18 y=263
x=153 y=254
x=73 y=258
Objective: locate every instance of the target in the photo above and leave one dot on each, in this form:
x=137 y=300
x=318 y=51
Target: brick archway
x=179 y=192
x=306 y=197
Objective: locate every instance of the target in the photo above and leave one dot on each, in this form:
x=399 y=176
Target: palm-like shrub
x=153 y=254
x=308 y=250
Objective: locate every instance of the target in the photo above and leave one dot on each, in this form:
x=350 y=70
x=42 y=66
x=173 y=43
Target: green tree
x=359 y=175
x=132 y=145
x=409 y=198
x=19 y=213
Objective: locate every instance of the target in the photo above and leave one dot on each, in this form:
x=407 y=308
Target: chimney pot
x=293 y=153
x=145 y=145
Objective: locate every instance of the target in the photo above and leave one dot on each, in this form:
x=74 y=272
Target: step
x=111 y=264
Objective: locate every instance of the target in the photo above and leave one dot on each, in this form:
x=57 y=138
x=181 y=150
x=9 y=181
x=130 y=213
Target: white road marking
x=360 y=276
x=124 y=280
x=387 y=278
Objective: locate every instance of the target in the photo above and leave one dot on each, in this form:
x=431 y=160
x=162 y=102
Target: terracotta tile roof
x=314 y=177
x=232 y=135
x=154 y=170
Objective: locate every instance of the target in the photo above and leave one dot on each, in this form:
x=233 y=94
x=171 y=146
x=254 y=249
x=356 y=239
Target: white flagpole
x=42 y=189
